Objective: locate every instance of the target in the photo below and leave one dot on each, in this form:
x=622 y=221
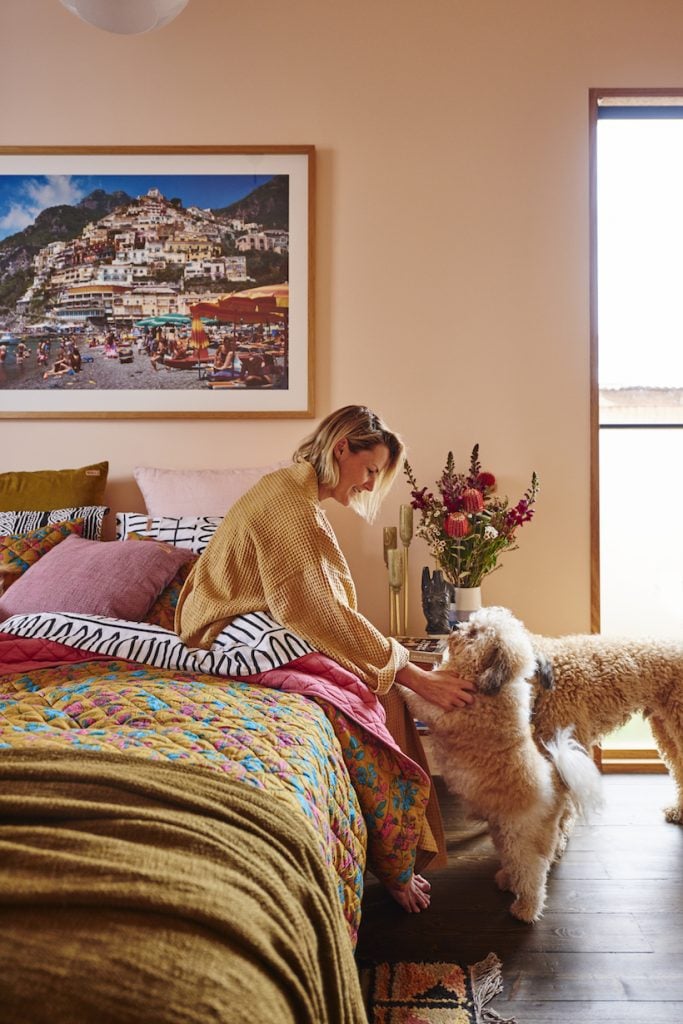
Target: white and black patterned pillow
x=193 y=532
x=133 y=522
x=24 y=522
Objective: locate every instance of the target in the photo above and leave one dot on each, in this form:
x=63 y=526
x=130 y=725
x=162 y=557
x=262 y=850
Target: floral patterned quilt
x=305 y=752
x=278 y=742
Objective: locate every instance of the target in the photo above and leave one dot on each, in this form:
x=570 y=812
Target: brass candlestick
x=395 y=562
x=390 y=542
x=405 y=530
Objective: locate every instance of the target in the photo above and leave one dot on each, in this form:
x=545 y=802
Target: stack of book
x=427 y=649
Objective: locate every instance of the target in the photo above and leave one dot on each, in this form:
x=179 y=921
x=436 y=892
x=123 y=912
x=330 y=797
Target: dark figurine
x=435 y=601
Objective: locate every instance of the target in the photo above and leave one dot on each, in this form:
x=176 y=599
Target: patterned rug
x=433 y=993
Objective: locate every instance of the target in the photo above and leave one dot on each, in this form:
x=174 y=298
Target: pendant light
x=126 y=17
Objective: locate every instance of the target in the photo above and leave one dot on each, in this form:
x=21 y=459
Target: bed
x=183 y=834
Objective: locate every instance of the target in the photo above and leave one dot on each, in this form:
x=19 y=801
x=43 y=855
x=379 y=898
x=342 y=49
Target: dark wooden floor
x=609 y=947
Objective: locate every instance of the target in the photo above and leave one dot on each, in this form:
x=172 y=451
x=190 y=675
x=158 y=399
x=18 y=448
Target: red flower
x=520 y=514
x=486 y=480
x=457 y=525
x=420 y=498
x=472 y=499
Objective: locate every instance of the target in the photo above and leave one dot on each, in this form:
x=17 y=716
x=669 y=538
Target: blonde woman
x=275 y=551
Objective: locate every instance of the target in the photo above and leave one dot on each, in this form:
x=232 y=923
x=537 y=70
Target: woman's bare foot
x=413 y=897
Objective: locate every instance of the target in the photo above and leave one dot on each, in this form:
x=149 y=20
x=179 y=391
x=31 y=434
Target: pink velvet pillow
x=117 y=580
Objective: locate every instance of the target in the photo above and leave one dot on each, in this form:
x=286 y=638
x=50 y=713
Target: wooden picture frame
x=130 y=253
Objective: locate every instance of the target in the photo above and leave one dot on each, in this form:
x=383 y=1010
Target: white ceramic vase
x=467 y=601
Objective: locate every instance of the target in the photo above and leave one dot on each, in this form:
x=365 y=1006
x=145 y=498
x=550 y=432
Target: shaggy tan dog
x=489 y=758
x=596 y=683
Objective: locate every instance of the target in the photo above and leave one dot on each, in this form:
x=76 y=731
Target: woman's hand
x=441 y=686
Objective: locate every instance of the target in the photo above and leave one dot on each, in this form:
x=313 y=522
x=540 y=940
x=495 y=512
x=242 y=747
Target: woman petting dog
x=291 y=565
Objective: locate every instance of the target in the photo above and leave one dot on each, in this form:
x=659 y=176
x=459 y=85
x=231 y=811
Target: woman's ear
x=340 y=447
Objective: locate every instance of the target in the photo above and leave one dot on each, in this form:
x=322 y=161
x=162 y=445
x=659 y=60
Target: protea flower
x=472 y=499
x=457 y=525
x=466 y=527
x=486 y=480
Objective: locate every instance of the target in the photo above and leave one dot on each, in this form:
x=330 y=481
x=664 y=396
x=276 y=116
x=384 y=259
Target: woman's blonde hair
x=363 y=430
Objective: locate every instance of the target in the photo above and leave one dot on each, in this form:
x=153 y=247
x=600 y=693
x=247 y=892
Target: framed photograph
x=161 y=282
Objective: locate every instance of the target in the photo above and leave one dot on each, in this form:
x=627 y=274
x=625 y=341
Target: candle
x=405 y=529
x=406 y=523
x=390 y=540
x=395 y=563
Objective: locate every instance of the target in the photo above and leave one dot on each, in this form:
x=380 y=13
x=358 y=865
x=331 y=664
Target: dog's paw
x=674 y=815
x=503 y=880
x=526 y=910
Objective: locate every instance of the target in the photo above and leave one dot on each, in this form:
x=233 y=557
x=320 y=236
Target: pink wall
x=452 y=243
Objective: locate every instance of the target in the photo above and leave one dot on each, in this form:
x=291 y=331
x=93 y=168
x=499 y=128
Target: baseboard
x=633 y=765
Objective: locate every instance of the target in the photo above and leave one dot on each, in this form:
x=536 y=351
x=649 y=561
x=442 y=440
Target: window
x=637 y=391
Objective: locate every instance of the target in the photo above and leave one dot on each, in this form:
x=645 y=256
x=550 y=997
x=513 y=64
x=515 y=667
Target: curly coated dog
x=595 y=684
x=488 y=757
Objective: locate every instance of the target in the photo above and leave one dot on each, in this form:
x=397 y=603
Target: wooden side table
x=427 y=652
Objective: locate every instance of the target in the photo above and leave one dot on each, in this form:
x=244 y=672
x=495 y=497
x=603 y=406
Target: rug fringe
x=487 y=982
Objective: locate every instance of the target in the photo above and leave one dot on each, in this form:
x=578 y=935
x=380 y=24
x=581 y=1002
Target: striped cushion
x=21 y=522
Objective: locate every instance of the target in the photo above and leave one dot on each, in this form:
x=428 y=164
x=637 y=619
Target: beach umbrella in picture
x=173 y=318
x=240 y=309
x=279 y=292
x=148 y=321
x=268 y=299
x=200 y=343
x=199 y=340
x=267 y=306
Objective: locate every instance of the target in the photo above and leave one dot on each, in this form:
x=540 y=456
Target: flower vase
x=467 y=601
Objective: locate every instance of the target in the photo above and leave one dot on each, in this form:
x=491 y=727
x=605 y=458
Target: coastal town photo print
x=155 y=283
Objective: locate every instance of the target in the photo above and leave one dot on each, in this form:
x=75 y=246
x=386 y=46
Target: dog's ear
x=497 y=669
x=544 y=672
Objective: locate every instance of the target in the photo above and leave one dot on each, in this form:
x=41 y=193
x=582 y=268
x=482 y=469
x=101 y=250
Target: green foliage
x=57 y=223
x=38 y=304
x=268 y=267
x=13 y=287
x=171 y=274
x=267 y=205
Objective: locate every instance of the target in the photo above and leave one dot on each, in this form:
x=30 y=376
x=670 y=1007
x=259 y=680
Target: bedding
x=19 y=551
x=192 y=532
x=120 y=580
x=162 y=612
x=180 y=492
x=94 y=712
x=51 y=488
x=92 y=517
x=156 y=892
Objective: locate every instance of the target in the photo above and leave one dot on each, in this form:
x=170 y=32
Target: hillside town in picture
x=141 y=282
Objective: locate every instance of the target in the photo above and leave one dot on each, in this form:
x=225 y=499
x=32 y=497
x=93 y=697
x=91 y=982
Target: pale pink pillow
x=196 y=492
x=88 y=577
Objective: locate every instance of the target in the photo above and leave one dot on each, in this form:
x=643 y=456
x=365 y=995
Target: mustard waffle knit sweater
x=275 y=551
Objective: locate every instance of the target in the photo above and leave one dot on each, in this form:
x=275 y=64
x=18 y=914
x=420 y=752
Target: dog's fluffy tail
x=577 y=770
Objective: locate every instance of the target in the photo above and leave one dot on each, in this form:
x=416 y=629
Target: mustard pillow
x=46 y=489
